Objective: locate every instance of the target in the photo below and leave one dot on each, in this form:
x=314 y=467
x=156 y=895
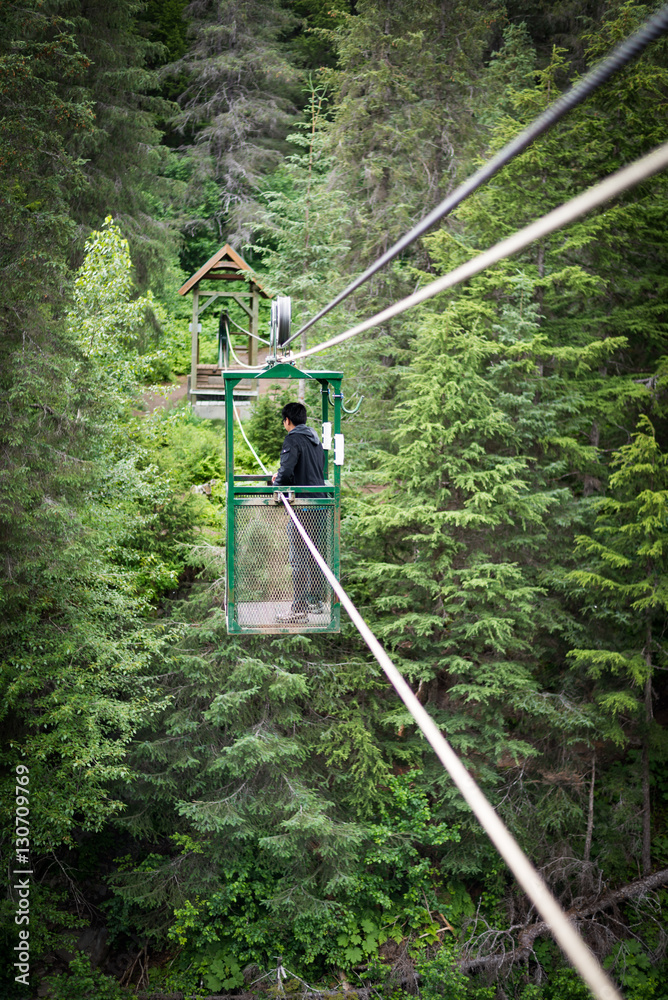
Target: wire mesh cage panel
x=278 y=586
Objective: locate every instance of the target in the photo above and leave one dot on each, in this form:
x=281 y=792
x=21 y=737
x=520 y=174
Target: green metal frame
x=241 y=491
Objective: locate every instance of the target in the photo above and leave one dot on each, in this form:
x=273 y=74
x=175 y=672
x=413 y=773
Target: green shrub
x=83 y=982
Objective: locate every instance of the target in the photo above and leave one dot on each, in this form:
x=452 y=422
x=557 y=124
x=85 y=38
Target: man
x=302 y=464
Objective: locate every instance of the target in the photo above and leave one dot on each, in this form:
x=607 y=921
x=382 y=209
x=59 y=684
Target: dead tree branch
x=517 y=949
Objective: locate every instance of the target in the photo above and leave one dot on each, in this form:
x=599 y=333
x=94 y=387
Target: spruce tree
x=236 y=108
x=404 y=116
x=449 y=555
x=124 y=163
x=516 y=383
x=624 y=585
x=301 y=230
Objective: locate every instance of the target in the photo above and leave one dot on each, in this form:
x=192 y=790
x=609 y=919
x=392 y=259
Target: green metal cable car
x=266 y=559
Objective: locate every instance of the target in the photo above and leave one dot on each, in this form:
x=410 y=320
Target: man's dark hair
x=295 y=413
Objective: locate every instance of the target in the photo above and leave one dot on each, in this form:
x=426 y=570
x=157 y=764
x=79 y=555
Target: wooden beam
x=243 y=306
x=213 y=295
x=219 y=267
x=194 y=344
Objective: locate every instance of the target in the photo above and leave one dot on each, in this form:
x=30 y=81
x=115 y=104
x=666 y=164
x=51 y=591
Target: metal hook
x=343 y=405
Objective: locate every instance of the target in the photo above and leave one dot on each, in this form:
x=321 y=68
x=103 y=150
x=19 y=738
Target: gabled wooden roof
x=224 y=265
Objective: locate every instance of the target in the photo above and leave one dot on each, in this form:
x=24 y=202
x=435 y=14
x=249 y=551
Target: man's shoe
x=316 y=607
x=292 y=617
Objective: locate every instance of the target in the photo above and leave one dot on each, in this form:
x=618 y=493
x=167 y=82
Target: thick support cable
x=528 y=877
x=612 y=186
x=618 y=58
x=242 y=364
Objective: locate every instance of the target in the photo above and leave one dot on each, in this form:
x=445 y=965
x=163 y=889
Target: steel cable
x=618 y=58
x=528 y=877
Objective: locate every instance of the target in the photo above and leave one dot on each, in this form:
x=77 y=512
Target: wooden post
x=194 y=343
x=254 y=325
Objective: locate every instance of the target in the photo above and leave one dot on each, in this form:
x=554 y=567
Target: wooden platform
x=210 y=381
x=262 y=616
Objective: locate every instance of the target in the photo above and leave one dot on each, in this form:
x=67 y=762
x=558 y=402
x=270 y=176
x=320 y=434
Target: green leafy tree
x=108 y=320
x=78 y=642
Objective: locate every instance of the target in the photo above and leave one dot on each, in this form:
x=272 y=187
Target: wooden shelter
x=214 y=281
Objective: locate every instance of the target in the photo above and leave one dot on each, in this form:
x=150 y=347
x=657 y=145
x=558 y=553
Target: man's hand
x=273 y=478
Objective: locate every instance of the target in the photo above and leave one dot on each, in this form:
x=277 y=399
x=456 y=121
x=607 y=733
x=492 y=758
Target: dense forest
x=202 y=810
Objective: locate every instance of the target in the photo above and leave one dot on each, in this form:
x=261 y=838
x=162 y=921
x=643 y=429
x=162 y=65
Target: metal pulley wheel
x=281 y=314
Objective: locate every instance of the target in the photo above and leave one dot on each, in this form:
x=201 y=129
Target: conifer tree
x=314 y=42
x=123 y=160
x=85 y=542
x=301 y=229
x=403 y=115
x=405 y=93
x=450 y=559
x=512 y=389
x=238 y=103
x=596 y=280
x=271 y=770
x=291 y=798
x=108 y=321
x=625 y=586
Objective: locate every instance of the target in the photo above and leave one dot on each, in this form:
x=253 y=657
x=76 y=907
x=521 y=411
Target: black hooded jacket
x=302 y=459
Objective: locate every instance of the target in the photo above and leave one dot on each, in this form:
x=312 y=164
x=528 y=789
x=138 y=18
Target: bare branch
x=522 y=947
